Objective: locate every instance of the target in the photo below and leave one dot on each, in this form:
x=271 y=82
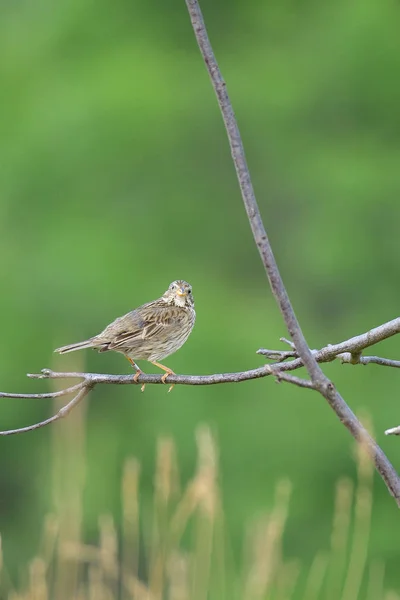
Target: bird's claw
x=135 y=379
x=164 y=377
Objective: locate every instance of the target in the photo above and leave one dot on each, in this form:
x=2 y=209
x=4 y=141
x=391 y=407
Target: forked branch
x=349 y=351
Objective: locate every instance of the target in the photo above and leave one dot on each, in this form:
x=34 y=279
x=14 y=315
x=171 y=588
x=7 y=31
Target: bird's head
x=179 y=293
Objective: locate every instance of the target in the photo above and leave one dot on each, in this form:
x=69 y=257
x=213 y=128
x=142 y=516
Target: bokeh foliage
x=116 y=178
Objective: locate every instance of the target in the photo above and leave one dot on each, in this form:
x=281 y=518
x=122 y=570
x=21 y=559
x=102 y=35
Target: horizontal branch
x=369 y=360
x=58 y=394
x=90 y=380
x=102 y=378
x=348 y=351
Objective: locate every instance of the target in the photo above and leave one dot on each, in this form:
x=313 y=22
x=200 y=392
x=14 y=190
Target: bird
x=150 y=332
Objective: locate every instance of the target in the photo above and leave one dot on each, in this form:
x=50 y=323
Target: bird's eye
x=189 y=291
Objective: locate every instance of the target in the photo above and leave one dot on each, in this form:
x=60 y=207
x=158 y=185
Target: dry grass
x=66 y=568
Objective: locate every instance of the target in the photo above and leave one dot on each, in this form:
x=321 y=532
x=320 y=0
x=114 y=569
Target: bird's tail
x=73 y=347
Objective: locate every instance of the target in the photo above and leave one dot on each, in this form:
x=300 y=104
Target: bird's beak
x=181 y=292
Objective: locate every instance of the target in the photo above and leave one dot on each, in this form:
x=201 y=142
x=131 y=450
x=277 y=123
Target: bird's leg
x=168 y=372
x=138 y=372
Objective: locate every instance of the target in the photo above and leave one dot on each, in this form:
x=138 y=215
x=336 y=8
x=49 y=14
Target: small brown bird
x=151 y=332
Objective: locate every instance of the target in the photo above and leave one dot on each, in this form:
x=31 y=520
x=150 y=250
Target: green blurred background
x=116 y=178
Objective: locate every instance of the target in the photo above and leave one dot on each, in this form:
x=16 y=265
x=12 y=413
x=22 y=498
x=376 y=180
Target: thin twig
x=69 y=390
x=367 y=360
x=63 y=412
x=299 y=381
x=281 y=376
x=277 y=354
x=319 y=379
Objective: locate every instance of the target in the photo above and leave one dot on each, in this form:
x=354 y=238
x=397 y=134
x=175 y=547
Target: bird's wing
x=144 y=323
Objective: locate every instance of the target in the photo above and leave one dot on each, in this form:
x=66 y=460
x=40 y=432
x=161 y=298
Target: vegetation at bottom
x=180 y=549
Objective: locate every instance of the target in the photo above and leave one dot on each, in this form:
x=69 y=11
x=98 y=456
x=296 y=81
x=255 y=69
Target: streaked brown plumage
x=151 y=332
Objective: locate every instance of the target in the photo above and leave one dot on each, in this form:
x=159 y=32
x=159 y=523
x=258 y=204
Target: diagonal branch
x=248 y=195
x=320 y=381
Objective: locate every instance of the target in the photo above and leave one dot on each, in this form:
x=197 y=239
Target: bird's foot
x=164 y=377
x=136 y=377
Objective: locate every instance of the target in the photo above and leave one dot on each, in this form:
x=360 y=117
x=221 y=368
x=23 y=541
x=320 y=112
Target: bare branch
x=63 y=412
x=90 y=380
x=96 y=378
x=366 y=360
x=278 y=354
x=348 y=351
x=70 y=390
x=299 y=381
x=365 y=340
x=289 y=342
x=248 y=196
x=318 y=378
